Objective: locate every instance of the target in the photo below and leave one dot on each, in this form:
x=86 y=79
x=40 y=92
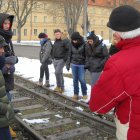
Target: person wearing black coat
x=76 y=58
x=59 y=55
x=6 y=22
x=96 y=56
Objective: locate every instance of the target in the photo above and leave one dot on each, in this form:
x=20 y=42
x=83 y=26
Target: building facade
x=47 y=16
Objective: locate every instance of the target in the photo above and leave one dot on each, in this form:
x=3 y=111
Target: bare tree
x=4 y=5
x=72 y=11
x=22 y=9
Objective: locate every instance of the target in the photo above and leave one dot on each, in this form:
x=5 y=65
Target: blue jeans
x=5 y=133
x=9 y=95
x=78 y=73
x=94 y=77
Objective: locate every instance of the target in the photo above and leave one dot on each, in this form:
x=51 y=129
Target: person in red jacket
x=119 y=84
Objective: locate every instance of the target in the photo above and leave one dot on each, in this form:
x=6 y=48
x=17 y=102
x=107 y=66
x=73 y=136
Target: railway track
x=61 y=115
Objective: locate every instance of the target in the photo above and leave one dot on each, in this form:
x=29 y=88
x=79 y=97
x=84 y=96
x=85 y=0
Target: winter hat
x=124 y=18
x=11 y=60
x=2 y=42
x=76 y=36
x=42 y=35
x=91 y=35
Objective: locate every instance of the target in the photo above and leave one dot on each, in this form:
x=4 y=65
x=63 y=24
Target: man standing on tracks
x=119 y=83
x=59 y=54
x=6 y=111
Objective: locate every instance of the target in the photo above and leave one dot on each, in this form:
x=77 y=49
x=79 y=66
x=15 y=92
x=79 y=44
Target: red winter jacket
x=119 y=86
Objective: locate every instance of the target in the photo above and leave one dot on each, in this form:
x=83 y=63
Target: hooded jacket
x=7 y=34
x=77 y=53
x=119 y=87
x=96 y=56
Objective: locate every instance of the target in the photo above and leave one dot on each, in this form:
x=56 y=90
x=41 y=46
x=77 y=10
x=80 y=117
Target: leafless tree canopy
x=4 y=5
x=22 y=9
x=72 y=11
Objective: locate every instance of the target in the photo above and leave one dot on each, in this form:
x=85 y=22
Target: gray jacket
x=45 y=52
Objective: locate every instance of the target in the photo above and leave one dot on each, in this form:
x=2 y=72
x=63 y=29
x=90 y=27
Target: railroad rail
x=63 y=119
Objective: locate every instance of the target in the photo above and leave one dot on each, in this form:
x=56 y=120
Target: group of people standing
x=76 y=54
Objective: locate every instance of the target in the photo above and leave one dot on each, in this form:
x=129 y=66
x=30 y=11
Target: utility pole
x=85 y=16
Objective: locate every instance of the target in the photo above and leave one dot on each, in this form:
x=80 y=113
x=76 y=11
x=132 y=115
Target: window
x=35 y=18
x=45 y=6
x=25 y=32
x=102 y=34
x=45 y=31
x=45 y=19
x=14 y=32
x=35 y=5
x=93 y=11
x=35 y=32
x=14 y=4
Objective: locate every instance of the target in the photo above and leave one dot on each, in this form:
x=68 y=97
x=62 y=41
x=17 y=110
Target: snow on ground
x=30 y=68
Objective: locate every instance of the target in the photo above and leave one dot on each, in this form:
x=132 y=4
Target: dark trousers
x=5 y=133
x=44 y=69
x=58 y=66
x=78 y=74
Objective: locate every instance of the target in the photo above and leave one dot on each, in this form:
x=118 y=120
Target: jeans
x=44 y=69
x=58 y=66
x=94 y=77
x=5 y=133
x=9 y=95
x=78 y=73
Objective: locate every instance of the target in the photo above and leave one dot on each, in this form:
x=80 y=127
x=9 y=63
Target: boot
x=59 y=89
x=47 y=83
x=75 y=97
x=13 y=133
x=85 y=97
x=40 y=82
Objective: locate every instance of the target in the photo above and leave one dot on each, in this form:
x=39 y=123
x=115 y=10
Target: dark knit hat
x=76 y=36
x=124 y=18
x=92 y=36
x=2 y=42
x=42 y=35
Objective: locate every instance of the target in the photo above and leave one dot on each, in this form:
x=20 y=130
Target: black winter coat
x=9 y=78
x=60 y=49
x=113 y=50
x=76 y=55
x=96 y=56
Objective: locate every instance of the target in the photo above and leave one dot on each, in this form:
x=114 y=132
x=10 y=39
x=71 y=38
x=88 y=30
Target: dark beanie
x=92 y=36
x=76 y=36
x=42 y=35
x=124 y=18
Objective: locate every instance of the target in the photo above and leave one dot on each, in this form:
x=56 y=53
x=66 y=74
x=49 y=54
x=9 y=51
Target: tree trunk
x=19 y=34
